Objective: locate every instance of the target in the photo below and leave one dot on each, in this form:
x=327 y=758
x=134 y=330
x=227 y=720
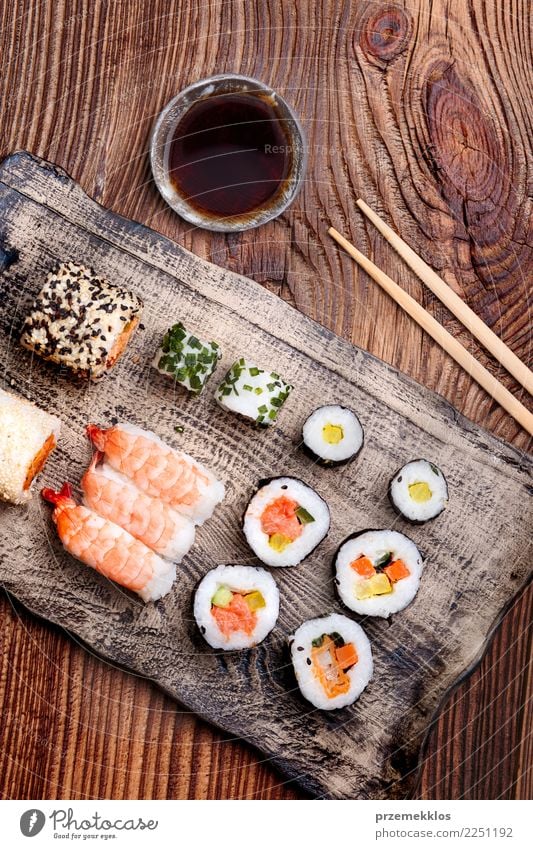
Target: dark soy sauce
x=229 y=154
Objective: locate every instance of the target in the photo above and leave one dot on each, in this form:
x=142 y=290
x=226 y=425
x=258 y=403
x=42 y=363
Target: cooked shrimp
x=109 y=549
x=115 y=497
x=158 y=470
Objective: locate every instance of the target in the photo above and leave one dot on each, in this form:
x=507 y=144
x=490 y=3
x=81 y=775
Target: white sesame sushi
x=235 y=607
x=332 y=661
x=28 y=435
x=418 y=491
x=377 y=572
x=285 y=521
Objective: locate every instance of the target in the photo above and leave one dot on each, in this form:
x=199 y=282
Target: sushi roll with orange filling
x=285 y=521
x=235 y=607
x=377 y=572
x=332 y=661
x=81 y=321
x=28 y=436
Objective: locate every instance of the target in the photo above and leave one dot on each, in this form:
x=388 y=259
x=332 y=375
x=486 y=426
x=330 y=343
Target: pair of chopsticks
x=457 y=306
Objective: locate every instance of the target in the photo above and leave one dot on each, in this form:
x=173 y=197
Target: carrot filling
x=396 y=571
x=39 y=460
x=280 y=521
x=331 y=658
x=363 y=566
x=237 y=615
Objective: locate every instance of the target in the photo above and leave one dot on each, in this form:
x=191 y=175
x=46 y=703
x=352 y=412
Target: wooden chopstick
x=451 y=345
x=455 y=304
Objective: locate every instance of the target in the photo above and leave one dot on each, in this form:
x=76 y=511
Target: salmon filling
x=331 y=658
x=39 y=460
x=236 y=615
x=283 y=520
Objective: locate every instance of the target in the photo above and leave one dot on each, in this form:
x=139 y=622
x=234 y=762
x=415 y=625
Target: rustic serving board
x=477 y=551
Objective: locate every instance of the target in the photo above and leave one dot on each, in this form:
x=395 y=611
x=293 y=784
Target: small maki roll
x=285 y=521
x=418 y=491
x=81 y=321
x=332 y=660
x=253 y=392
x=377 y=572
x=332 y=435
x=235 y=607
x=28 y=436
x=186 y=359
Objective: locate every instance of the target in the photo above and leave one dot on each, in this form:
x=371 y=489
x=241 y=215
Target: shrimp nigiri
x=116 y=498
x=110 y=550
x=158 y=470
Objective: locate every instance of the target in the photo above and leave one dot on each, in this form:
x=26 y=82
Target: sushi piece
x=377 y=572
x=332 y=435
x=81 y=321
x=109 y=549
x=186 y=359
x=235 y=607
x=332 y=661
x=115 y=497
x=285 y=521
x=254 y=393
x=418 y=491
x=158 y=470
x=28 y=435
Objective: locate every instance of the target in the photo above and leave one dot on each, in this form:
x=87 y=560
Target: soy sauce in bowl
x=228 y=153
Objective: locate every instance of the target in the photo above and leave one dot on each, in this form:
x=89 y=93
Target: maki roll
x=285 y=521
x=235 y=607
x=252 y=392
x=332 y=435
x=418 y=491
x=186 y=359
x=332 y=661
x=81 y=321
x=28 y=436
x=377 y=572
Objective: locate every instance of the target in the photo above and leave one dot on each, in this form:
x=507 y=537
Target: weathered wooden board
x=477 y=551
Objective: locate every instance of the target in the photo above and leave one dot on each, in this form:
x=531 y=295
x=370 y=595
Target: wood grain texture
x=405 y=106
x=475 y=553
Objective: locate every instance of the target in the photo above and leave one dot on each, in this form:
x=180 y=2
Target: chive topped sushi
x=235 y=607
x=418 y=491
x=252 y=392
x=377 y=572
x=332 y=435
x=186 y=359
x=285 y=521
x=332 y=661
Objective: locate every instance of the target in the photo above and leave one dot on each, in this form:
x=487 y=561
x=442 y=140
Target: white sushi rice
x=419 y=471
x=161 y=583
x=312 y=534
x=252 y=392
x=339 y=417
x=24 y=430
x=239 y=579
x=374 y=545
x=301 y=646
x=184 y=532
x=211 y=492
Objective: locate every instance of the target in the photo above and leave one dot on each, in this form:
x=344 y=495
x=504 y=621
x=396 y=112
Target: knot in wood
x=384 y=32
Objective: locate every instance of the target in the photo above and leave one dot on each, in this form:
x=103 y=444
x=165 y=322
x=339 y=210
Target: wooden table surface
x=421 y=108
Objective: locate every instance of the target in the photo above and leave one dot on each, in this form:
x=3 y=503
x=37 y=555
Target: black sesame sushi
x=377 y=572
x=252 y=392
x=418 y=491
x=187 y=359
x=332 y=435
x=332 y=661
x=285 y=521
x=81 y=321
x=235 y=607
